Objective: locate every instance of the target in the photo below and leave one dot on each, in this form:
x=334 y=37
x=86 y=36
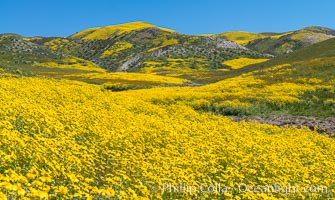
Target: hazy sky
x=65 y=17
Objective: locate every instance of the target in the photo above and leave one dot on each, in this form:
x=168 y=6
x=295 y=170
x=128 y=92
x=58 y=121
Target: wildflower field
x=136 y=111
x=65 y=139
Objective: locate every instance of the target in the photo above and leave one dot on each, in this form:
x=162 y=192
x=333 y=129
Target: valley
x=117 y=112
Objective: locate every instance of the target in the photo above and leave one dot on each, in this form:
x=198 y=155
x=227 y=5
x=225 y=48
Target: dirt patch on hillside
x=321 y=125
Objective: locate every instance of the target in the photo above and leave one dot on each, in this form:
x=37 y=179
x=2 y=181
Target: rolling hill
x=134 y=46
x=68 y=131
x=18 y=54
x=280 y=43
x=312 y=66
x=15 y=50
x=21 y=57
x=146 y=48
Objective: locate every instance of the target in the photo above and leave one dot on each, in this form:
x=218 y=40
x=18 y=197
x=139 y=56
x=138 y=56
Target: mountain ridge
x=127 y=47
x=106 y=31
x=146 y=48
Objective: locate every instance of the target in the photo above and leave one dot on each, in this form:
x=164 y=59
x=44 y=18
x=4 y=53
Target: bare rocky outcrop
x=16 y=44
x=223 y=43
x=160 y=51
x=229 y=45
x=316 y=38
x=129 y=63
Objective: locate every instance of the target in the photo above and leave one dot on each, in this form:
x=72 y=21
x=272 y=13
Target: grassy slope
x=110 y=47
x=70 y=140
x=19 y=56
x=302 y=84
x=319 y=50
x=313 y=65
x=155 y=50
x=184 y=68
x=240 y=37
x=280 y=43
x=52 y=150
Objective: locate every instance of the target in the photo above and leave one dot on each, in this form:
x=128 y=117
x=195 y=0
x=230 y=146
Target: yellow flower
x=73 y=178
x=39 y=194
x=46 y=179
x=3 y=196
x=109 y=192
x=31 y=176
x=18 y=169
x=63 y=190
x=21 y=192
x=81 y=141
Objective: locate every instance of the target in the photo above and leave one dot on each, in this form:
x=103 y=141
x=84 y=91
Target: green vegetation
x=161 y=117
x=182 y=60
x=137 y=43
x=280 y=43
x=313 y=65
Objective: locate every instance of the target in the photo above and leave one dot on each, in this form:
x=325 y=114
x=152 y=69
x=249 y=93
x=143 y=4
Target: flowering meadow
x=63 y=139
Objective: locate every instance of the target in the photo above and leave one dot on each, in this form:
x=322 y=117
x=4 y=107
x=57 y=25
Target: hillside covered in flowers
x=175 y=125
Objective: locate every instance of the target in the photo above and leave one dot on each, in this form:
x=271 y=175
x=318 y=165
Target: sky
x=65 y=17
